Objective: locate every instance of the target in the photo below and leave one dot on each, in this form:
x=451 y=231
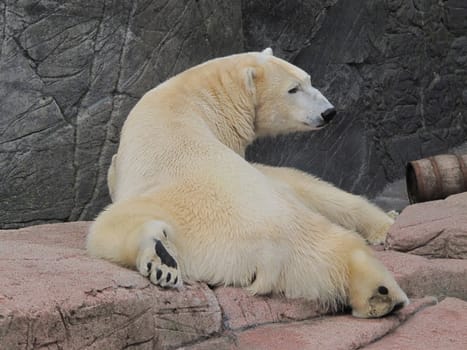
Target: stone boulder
x=436 y=229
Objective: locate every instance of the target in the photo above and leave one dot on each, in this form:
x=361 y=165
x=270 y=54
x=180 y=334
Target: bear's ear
x=250 y=75
x=267 y=51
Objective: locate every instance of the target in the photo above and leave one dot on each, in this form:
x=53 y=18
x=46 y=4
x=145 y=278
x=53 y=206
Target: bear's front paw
x=377 y=238
x=373 y=291
x=378 y=234
x=381 y=303
x=156 y=260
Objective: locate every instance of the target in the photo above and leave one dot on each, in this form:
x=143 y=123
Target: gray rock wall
x=71 y=71
x=396 y=70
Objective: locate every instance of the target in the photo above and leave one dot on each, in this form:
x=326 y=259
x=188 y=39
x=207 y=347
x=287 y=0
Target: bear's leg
x=335 y=266
x=270 y=260
x=128 y=233
x=350 y=211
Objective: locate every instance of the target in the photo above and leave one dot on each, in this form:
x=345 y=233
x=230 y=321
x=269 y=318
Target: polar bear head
x=285 y=99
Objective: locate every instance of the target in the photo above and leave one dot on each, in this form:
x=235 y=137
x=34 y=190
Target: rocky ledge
x=53 y=296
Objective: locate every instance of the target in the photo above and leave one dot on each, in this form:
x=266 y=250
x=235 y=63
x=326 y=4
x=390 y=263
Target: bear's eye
x=293 y=90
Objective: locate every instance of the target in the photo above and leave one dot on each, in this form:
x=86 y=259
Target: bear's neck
x=235 y=136
x=216 y=93
x=230 y=116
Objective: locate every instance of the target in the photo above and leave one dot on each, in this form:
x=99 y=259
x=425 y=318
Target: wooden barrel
x=436 y=177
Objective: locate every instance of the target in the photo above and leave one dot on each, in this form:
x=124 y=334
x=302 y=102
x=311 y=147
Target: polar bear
x=189 y=207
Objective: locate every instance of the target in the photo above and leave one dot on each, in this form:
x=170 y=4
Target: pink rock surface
x=419 y=276
x=326 y=333
x=52 y=294
x=439 y=327
x=244 y=310
x=222 y=343
x=435 y=229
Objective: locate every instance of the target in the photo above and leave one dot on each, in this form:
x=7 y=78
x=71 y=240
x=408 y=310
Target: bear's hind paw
x=156 y=261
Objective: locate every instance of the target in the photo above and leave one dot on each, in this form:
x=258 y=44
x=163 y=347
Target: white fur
x=180 y=169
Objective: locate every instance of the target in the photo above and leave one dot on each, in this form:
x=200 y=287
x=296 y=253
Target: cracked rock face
x=71 y=71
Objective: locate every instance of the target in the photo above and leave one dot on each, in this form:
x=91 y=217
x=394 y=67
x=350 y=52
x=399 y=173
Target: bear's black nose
x=328 y=114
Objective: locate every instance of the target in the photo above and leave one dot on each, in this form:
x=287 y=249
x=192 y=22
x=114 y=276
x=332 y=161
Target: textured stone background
x=70 y=72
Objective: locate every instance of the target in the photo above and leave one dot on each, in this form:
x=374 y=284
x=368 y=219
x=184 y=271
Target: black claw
x=398 y=306
x=176 y=280
x=383 y=290
x=167 y=279
x=149 y=265
x=158 y=274
x=164 y=255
